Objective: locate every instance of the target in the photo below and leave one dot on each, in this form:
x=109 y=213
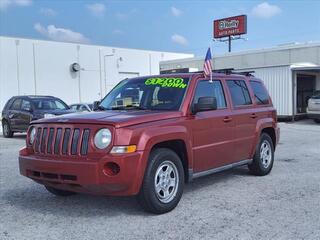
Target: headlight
x=32 y=135
x=102 y=139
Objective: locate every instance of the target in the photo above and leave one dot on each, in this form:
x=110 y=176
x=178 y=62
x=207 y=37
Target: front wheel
x=264 y=156
x=163 y=182
x=316 y=120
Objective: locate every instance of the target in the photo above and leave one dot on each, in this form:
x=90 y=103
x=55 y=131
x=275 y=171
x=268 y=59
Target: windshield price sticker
x=167 y=82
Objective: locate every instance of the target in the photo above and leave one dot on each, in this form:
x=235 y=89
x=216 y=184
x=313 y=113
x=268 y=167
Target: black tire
x=58 y=192
x=6 y=129
x=149 y=198
x=259 y=167
x=316 y=120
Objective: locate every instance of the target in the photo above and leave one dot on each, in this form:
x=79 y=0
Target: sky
x=176 y=26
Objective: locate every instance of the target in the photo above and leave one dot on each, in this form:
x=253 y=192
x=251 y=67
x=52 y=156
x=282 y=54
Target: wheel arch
x=272 y=133
x=4 y=120
x=179 y=147
x=267 y=126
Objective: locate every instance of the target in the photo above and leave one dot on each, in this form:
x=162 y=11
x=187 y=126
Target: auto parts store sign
x=230 y=26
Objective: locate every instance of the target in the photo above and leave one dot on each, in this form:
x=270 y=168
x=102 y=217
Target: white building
x=37 y=67
x=290 y=72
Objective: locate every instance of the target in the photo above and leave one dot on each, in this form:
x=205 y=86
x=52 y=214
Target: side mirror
x=96 y=105
x=205 y=104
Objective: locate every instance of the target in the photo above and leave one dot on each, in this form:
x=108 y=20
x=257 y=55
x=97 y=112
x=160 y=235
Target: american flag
x=207 y=67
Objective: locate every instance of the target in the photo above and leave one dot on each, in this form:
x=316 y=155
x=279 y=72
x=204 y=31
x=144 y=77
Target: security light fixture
x=75 y=67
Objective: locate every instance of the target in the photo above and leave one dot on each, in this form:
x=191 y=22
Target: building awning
x=305 y=67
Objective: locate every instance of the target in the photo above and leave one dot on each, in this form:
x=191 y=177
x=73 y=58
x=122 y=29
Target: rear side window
x=16 y=104
x=260 y=93
x=214 y=89
x=239 y=92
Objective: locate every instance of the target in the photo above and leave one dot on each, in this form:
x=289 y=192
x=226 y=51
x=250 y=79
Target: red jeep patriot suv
x=151 y=135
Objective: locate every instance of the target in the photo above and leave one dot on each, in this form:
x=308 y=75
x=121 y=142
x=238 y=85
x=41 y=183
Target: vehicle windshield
x=49 y=104
x=146 y=94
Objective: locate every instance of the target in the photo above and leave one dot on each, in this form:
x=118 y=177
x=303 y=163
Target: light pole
x=104 y=65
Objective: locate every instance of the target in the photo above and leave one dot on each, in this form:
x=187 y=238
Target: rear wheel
x=59 y=192
x=6 y=129
x=263 y=157
x=163 y=182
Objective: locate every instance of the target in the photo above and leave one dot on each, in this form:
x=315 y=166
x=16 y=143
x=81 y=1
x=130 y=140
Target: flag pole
x=211 y=64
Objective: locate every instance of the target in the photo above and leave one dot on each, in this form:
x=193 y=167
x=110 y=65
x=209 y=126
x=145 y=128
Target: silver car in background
x=313 y=110
x=82 y=107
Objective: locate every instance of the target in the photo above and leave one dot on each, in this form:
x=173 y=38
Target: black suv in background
x=19 y=111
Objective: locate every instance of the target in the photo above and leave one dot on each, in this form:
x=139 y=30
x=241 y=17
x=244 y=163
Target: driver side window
x=26 y=105
x=214 y=89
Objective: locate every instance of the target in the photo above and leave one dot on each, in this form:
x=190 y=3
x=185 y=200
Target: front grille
x=61 y=141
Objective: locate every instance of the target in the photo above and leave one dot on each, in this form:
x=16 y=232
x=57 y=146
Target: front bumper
x=277 y=130
x=313 y=114
x=86 y=176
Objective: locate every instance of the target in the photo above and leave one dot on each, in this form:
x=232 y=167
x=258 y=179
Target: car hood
x=115 y=118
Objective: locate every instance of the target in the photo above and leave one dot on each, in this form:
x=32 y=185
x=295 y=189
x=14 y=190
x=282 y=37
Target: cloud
x=176 y=38
x=176 y=12
x=48 y=12
x=125 y=16
x=60 y=34
x=97 y=9
x=4 y=4
x=121 y=16
x=117 y=32
x=266 y=10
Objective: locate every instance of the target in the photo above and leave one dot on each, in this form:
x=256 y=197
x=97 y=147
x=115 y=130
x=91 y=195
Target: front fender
x=152 y=136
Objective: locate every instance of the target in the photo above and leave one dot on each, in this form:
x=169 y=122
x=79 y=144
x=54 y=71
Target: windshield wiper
x=128 y=107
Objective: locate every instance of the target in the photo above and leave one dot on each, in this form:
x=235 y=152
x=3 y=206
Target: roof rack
x=246 y=73
x=232 y=71
x=224 y=70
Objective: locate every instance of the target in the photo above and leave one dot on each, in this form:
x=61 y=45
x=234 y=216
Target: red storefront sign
x=225 y=27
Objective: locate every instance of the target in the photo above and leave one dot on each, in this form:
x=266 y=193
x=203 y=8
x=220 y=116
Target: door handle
x=227 y=119
x=253 y=115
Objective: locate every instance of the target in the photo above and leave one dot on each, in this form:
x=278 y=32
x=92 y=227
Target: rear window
x=260 y=93
x=9 y=103
x=239 y=92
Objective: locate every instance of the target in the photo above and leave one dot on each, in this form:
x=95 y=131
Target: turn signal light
x=124 y=149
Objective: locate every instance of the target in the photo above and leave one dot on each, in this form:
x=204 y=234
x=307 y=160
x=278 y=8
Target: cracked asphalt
x=228 y=205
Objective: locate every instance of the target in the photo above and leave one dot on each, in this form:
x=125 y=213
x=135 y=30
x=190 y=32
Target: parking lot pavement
x=229 y=205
